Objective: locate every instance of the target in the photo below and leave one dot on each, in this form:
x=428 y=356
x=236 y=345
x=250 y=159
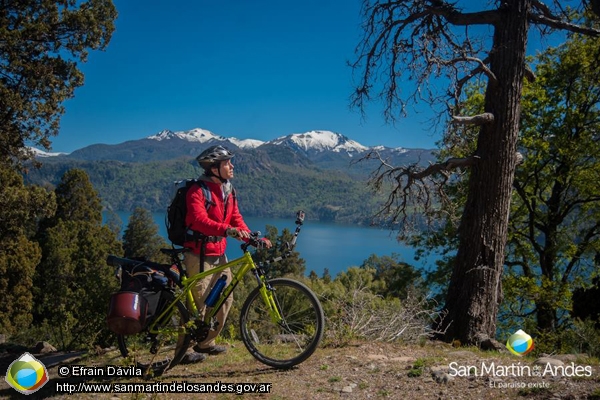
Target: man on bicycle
x=217 y=220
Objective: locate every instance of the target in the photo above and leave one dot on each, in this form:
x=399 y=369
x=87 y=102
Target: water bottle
x=216 y=291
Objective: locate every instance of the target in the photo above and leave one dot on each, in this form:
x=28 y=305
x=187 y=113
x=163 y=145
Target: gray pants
x=192 y=264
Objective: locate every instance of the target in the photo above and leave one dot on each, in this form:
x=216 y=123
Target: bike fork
x=267 y=294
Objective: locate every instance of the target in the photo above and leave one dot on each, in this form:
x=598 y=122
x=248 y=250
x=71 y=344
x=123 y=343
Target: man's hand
x=237 y=233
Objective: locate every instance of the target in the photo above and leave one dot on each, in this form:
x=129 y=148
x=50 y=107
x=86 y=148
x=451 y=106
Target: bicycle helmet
x=213 y=156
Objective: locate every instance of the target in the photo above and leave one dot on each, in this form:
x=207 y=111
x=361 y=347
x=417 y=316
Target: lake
x=324 y=245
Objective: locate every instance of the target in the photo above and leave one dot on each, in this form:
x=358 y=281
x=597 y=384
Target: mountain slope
x=321 y=147
x=317 y=171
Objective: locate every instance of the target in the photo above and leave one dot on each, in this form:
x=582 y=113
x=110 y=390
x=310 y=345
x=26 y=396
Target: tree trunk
x=546 y=316
x=475 y=289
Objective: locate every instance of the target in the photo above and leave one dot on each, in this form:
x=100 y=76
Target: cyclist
x=220 y=219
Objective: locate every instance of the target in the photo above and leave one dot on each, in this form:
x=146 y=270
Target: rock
x=349 y=388
x=442 y=377
x=44 y=348
x=566 y=357
x=547 y=360
x=377 y=357
x=486 y=343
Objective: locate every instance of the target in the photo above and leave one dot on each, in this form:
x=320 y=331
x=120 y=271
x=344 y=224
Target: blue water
x=325 y=245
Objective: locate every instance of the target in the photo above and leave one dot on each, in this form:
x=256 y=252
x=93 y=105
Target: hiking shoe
x=212 y=350
x=192 y=357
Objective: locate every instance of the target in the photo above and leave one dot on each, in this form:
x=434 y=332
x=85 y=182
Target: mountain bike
x=281 y=321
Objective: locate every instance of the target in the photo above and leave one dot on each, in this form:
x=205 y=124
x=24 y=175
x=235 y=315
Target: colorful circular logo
x=520 y=343
x=26 y=374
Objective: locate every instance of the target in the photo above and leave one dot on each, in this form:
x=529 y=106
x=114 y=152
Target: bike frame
x=246 y=264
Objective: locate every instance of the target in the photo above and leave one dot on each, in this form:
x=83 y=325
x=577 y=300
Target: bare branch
x=529 y=74
x=544 y=9
x=448 y=165
x=484 y=68
x=413 y=187
x=481 y=119
x=457 y=18
x=556 y=23
x=519 y=158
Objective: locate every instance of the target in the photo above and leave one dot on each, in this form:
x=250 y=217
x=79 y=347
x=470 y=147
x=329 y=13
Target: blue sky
x=249 y=69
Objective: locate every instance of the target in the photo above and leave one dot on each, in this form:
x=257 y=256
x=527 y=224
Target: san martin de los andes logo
x=27 y=374
x=519 y=343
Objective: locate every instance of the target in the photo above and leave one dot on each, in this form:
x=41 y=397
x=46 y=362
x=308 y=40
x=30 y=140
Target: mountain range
x=169 y=144
x=316 y=170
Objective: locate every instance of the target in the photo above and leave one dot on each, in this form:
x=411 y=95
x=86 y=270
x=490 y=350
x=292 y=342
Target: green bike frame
x=246 y=264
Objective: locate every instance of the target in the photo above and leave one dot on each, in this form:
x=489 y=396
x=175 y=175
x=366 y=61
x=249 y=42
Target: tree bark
x=475 y=289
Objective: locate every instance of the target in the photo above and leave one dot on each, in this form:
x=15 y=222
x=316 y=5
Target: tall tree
x=554 y=234
x=41 y=42
x=421 y=40
x=72 y=280
x=23 y=207
x=141 y=238
x=555 y=224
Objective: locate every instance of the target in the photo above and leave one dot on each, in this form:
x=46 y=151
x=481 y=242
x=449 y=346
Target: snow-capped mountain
x=323 y=148
x=204 y=136
x=42 y=153
x=316 y=141
x=194 y=135
x=319 y=141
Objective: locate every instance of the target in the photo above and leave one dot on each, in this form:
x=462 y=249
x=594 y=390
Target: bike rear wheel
x=296 y=337
x=155 y=353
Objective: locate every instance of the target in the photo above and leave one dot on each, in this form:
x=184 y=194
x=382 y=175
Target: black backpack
x=177 y=231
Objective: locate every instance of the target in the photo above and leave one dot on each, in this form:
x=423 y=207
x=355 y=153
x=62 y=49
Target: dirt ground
x=362 y=370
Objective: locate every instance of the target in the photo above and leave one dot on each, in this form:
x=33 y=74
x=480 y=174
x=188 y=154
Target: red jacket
x=214 y=222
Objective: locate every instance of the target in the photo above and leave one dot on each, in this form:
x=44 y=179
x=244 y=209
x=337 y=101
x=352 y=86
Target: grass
x=417 y=368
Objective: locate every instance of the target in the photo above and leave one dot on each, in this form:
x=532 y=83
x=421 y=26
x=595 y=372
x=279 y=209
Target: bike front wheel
x=290 y=341
x=157 y=352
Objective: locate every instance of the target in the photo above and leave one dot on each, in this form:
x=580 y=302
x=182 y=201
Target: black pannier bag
x=136 y=303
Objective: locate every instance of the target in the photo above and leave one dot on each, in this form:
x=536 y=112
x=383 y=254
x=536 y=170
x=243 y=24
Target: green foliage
x=553 y=228
x=554 y=232
x=42 y=41
x=18 y=259
x=587 y=337
x=292 y=265
x=76 y=199
x=21 y=208
x=417 y=368
x=354 y=309
x=141 y=238
x=277 y=193
x=395 y=276
x=73 y=281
